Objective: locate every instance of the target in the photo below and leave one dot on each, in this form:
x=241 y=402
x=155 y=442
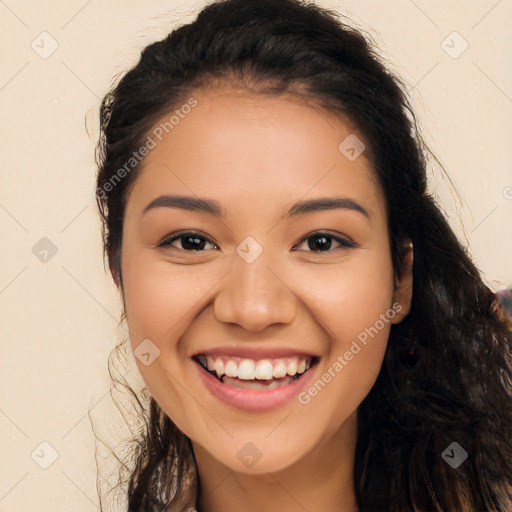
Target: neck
x=321 y=480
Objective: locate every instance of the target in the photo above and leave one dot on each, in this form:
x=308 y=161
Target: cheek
x=353 y=304
x=357 y=341
x=161 y=298
x=160 y=303
x=349 y=297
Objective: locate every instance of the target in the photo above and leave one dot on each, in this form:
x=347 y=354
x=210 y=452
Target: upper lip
x=255 y=352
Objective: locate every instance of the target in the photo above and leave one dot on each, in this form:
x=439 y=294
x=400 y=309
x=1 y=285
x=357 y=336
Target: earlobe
x=402 y=295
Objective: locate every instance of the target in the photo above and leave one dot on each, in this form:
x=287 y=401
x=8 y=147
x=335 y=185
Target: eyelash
x=344 y=242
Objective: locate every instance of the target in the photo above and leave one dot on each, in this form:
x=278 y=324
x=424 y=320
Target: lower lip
x=252 y=399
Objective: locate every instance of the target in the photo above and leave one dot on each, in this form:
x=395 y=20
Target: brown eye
x=188 y=241
x=322 y=242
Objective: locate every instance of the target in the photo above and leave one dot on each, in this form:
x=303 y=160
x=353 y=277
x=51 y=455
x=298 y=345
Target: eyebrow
x=212 y=207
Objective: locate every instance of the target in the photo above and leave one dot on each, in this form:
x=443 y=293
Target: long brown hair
x=447 y=373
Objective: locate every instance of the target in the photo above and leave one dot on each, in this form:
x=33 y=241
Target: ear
x=402 y=294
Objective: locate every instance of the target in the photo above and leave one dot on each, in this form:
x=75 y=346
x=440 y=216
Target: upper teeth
x=250 y=369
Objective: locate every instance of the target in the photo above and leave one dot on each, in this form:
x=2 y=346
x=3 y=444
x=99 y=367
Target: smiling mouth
x=262 y=374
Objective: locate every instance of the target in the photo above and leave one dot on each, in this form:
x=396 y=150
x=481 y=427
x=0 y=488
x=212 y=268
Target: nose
x=255 y=296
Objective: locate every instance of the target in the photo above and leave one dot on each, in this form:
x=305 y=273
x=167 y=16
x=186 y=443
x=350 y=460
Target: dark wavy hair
x=447 y=372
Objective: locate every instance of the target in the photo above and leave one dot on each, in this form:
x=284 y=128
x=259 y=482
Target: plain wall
x=59 y=317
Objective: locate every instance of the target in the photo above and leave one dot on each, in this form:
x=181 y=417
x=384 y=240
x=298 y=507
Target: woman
x=311 y=333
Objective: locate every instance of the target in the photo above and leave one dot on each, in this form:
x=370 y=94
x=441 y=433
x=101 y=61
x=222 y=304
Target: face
x=262 y=281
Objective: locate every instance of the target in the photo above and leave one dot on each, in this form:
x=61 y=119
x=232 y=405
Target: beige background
x=59 y=317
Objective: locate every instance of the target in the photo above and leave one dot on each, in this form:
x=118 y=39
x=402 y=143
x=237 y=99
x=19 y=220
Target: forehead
x=234 y=144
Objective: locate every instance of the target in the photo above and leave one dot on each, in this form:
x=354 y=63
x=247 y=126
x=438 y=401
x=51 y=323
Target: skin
x=256 y=156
